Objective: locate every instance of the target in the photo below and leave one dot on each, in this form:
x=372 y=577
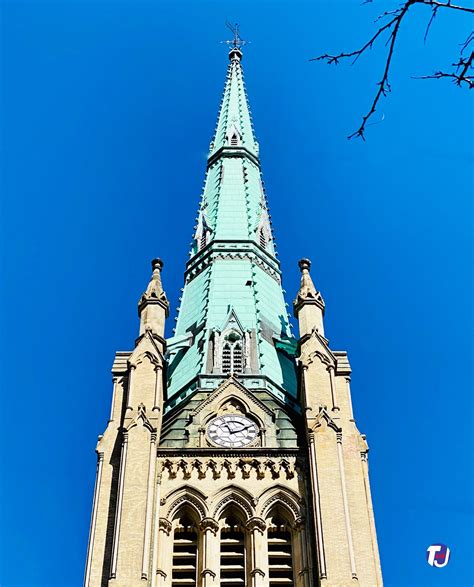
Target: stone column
x=210 y=552
x=332 y=383
x=130 y=388
x=156 y=526
x=98 y=480
x=301 y=563
x=368 y=498
x=349 y=399
x=164 y=553
x=118 y=512
x=345 y=502
x=149 y=507
x=258 y=552
x=114 y=394
x=158 y=400
x=318 y=522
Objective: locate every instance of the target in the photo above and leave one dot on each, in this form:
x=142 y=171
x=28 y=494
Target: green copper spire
x=233 y=317
x=234 y=125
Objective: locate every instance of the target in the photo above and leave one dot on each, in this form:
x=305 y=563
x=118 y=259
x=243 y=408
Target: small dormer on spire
x=235 y=53
x=309 y=304
x=153 y=307
x=234 y=136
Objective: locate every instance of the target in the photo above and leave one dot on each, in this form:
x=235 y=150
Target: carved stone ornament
x=209 y=524
x=323 y=420
x=232 y=467
x=141 y=418
x=165 y=526
x=257 y=572
x=256 y=524
x=300 y=524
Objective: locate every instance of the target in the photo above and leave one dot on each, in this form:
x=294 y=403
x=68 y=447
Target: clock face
x=232 y=431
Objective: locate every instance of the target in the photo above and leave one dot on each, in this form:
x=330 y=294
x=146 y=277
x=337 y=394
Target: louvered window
x=232 y=555
x=234 y=141
x=226 y=359
x=263 y=240
x=184 y=572
x=232 y=354
x=203 y=239
x=237 y=358
x=280 y=565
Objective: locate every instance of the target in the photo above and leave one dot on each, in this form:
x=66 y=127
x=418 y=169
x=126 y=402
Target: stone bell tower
x=231 y=457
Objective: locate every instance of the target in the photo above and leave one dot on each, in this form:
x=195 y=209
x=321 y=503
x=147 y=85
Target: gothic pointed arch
x=323 y=420
x=141 y=418
x=185 y=496
x=146 y=349
x=280 y=496
x=236 y=497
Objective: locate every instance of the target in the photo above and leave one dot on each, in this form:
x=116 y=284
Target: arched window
x=280 y=553
x=237 y=358
x=232 y=553
x=227 y=358
x=232 y=354
x=185 y=551
x=234 y=140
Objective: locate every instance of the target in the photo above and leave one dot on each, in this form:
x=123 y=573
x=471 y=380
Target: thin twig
x=444 y=5
x=459 y=76
x=393 y=26
x=467 y=42
x=433 y=16
x=384 y=85
x=356 y=54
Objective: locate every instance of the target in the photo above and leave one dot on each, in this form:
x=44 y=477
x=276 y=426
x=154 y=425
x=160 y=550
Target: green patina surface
x=233 y=270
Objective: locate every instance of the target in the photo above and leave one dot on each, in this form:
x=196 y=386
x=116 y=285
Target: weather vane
x=237 y=41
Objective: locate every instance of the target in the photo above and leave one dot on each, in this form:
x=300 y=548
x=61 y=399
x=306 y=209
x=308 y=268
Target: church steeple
x=221 y=464
x=233 y=267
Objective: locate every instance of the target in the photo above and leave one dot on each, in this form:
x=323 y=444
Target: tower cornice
x=220 y=249
x=232 y=152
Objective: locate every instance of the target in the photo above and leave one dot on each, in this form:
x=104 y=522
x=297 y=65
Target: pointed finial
x=153 y=307
x=157 y=264
x=304 y=265
x=307 y=291
x=154 y=291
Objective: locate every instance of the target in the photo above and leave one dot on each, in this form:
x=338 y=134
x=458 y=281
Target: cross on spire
x=237 y=42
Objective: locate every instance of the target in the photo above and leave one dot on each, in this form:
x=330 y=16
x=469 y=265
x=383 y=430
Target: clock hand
x=238 y=426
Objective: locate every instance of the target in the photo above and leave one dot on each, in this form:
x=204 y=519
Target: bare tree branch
x=460 y=75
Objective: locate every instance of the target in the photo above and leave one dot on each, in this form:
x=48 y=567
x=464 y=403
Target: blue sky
x=107 y=113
